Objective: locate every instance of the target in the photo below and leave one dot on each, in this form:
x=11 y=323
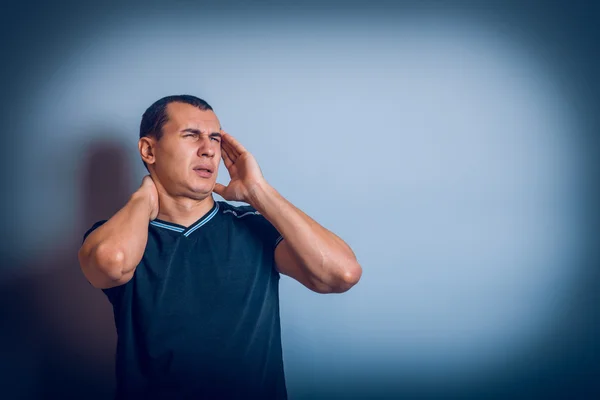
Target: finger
x=226 y=159
x=231 y=153
x=225 y=148
x=234 y=143
x=219 y=189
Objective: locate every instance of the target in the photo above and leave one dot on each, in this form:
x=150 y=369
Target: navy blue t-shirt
x=200 y=316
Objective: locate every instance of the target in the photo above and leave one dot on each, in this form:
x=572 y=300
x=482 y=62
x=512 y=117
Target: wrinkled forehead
x=204 y=125
x=184 y=116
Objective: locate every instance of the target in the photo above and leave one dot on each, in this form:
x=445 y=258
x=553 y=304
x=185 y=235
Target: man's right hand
x=110 y=254
x=148 y=190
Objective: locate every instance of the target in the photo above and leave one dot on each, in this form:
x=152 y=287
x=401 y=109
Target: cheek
x=175 y=159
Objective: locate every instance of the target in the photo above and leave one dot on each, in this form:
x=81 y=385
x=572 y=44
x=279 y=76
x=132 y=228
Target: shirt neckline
x=186 y=231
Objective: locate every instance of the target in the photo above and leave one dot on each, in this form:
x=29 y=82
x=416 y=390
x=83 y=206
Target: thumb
x=219 y=189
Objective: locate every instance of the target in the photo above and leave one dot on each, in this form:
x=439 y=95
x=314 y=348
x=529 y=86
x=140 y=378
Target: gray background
x=451 y=145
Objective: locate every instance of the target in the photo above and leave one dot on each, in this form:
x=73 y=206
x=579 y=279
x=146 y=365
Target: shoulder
x=244 y=215
x=94 y=226
x=238 y=212
x=247 y=218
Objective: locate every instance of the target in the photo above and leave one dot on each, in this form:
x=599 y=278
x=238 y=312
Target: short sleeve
x=113 y=293
x=267 y=231
x=94 y=227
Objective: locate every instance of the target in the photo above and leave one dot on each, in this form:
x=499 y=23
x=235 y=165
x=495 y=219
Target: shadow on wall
x=60 y=336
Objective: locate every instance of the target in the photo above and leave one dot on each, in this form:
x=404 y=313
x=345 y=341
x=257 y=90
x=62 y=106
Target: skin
x=190 y=137
x=174 y=192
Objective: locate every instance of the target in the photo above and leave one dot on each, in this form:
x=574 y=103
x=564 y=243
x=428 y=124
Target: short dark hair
x=155 y=117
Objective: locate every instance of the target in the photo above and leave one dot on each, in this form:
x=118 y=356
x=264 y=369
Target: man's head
x=180 y=145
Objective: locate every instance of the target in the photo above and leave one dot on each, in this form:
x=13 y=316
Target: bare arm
x=310 y=253
x=110 y=254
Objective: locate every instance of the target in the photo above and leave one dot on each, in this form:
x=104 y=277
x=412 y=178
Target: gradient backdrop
x=454 y=146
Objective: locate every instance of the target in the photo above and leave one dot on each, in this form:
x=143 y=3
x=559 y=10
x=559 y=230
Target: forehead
x=185 y=116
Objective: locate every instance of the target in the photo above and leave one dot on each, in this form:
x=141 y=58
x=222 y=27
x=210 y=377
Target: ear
x=146 y=148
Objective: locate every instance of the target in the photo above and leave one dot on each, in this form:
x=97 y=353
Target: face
x=186 y=158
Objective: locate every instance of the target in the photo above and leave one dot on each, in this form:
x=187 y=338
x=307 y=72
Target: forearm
x=323 y=254
x=118 y=245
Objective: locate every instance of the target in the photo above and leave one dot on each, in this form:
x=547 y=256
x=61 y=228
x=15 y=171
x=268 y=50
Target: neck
x=183 y=210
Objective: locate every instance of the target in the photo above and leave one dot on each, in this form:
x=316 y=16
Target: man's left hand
x=243 y=170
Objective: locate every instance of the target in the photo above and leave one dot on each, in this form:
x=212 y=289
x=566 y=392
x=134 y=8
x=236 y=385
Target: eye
x=216 y=139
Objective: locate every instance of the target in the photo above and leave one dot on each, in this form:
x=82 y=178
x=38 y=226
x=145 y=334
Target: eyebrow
x=198 y=132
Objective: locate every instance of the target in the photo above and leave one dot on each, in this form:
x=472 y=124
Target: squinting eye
x=216 y=139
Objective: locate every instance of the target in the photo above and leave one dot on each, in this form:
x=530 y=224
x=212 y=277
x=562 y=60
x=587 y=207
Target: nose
x=206 y=147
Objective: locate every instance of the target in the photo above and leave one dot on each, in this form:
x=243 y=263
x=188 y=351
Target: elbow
x=109 y=261
x=349 y=277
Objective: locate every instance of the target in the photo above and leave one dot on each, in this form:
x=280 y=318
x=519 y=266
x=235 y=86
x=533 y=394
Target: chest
x=209 y=282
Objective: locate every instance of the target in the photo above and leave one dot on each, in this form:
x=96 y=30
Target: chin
x=202 y=190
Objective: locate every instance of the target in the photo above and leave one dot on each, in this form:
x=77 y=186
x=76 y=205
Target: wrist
x=140 y=199
x=259 y=195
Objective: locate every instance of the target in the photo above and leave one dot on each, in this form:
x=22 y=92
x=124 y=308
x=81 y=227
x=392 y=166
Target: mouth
x=205 y=172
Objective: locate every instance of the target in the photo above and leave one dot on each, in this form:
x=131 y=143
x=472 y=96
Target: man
x=194 y=282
